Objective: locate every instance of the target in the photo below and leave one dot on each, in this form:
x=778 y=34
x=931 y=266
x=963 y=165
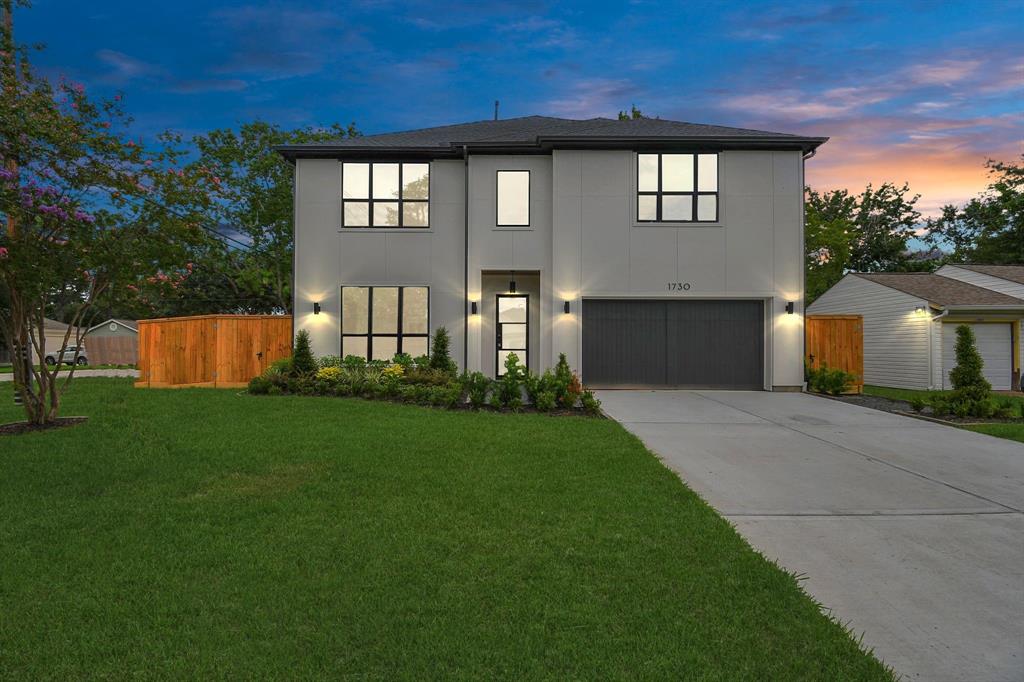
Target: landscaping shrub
x=425 y=375
x=353 y=362
x=590 y=403
x=282 y=366
x=830 y=381
x=477 y=385
x=422 y=361
x=440 y=357
x=330 y=361
x=545 y=401
x=303 y=362
x=259 y=385
x=917 y=403
x=939 y=404
x=403 y=360
x=510 y=386
x=969 y=384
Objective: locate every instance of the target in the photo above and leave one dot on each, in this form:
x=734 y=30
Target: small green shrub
x=962 y=409
x=969 y=384
x=1004 y=411
x=830 y=381
x=421 y=361
x=440 y=357
x=495 y=400
x=917 y=403
x=545 y=401
x=430 y=377
x=259 y=385
x=353 y=362
x=330 y=361
x=939 y=404
x=590 y=402
x=476 y=385
x=281 y=366
x=511 y=383
x=274 y=390
x=403 y=360
x=303 y=362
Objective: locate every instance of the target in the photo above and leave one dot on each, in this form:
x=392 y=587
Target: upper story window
x=677 y=188
x=385 y=194
x=513 y=198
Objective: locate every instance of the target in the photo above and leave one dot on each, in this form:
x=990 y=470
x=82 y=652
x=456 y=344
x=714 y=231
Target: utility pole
x=496 y=105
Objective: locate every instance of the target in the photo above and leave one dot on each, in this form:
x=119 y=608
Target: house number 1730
x=678 y=286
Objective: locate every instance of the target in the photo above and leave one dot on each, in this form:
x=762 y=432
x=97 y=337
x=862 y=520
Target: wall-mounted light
x=920 y=310
x=511 y=286
x=472 y=308
x=565 y=307
x=316 y=307
x=790 y=307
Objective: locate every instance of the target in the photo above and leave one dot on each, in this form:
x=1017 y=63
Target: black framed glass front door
x=512 y=331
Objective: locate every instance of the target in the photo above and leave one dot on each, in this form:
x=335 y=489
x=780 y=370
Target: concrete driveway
x=910 y=532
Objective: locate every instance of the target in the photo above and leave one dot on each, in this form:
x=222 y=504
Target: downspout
x=465 y=260
x=931 y=348
x=803 y=268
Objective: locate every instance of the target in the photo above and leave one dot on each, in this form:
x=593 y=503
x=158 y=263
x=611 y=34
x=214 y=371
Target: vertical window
x=677 y=188
x=513 y=198
x=378 y=322
x=385 y=194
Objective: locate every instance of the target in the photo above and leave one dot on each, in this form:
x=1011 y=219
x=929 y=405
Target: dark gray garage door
x=708 y=344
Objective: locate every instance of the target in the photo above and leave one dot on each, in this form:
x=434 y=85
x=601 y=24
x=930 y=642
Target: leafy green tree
x=969 y=384
x=440 y=355
x=303 y=362
x=828 y=236
x=633 y=113
x=884 y=221
x=87 y=213
x=990 y=227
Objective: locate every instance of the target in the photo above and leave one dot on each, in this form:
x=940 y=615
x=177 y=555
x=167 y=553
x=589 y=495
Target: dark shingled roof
x=1012 y=273
x=943 y=291
x=545 y=132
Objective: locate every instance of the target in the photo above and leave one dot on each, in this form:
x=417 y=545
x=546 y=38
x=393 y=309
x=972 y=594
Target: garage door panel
x=994 y=342
x=626 y=339
x=711 y=344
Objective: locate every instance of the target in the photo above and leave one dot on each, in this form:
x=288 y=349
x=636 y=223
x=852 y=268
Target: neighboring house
x=114 y=342
x=114 y=328
x=910 y=322
x=54 y=332
x=650 y=252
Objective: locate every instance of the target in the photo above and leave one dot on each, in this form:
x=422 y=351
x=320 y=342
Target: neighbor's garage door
x=995 y=344
x=709 y=344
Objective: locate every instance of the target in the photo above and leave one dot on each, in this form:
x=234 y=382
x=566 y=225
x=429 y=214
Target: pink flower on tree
x=3 y=252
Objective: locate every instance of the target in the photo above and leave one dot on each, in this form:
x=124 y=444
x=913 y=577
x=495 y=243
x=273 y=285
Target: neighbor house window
x=377 y=322
x=677 y=188
x=513 y=198
x=385 y=194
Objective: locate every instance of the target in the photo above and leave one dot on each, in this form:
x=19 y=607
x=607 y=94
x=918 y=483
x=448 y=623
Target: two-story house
x=652 y=253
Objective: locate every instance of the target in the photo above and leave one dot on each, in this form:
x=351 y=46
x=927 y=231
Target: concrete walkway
x=7 y=376
x=910 y=532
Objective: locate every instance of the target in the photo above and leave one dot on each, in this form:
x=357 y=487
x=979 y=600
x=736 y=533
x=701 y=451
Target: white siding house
x=910 y=322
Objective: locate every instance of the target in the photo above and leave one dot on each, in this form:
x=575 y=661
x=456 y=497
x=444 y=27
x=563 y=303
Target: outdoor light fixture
x=565 y=307
x=472 y=307
x=920 y=310
x=316 y=307
x=790 y=307
x=511 y=286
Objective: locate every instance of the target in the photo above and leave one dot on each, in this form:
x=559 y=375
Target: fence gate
x=836 y=341
x=223 y=351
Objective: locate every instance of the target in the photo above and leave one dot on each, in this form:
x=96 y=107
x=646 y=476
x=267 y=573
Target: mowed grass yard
x=1008 y=430
x=208 y=534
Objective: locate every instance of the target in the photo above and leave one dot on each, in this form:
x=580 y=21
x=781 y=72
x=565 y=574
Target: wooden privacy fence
x=837 y=342
x=210 y=350
x=112 y=350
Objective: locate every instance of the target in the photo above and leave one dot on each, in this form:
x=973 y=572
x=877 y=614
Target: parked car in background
x=68 y=357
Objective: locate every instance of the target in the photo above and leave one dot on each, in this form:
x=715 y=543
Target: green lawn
x=8 y=369
x=1011 y=431
x=206 y=534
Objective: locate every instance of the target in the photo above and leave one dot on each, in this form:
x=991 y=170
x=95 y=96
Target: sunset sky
x=911 y=91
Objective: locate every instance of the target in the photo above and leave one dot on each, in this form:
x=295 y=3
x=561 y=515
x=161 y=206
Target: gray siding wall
x=979 y=279
x=327 y=257
x=754 y=251
x=896 y=338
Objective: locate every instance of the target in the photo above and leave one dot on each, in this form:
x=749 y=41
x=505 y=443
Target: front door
x=512 y=331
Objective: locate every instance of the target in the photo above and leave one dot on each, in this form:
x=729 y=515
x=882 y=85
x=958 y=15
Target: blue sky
x=916 y=91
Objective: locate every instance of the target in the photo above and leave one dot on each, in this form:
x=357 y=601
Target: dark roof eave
x=546 y=144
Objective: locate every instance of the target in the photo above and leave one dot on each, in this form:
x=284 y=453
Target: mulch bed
x=902 y=407
x=16 y=428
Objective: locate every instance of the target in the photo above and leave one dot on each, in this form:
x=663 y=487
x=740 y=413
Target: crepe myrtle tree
x=88 y=215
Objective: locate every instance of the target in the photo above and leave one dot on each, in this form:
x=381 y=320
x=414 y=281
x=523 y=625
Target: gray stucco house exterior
x=651 y=252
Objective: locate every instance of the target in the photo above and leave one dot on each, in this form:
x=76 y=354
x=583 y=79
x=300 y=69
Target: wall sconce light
x=511 y=286
x=790 y=307
x=565 y=307
x=316 y=307
x=472 y=308
x=920 y=310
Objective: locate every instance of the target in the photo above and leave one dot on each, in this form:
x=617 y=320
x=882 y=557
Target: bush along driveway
x=1007 y=422
x=207 y=533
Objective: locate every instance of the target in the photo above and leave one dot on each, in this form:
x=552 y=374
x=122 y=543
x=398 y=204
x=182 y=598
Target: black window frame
x=694 y=194
x=369 y=335
x=497 y=195
x=497 y=332
x=400 y=200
